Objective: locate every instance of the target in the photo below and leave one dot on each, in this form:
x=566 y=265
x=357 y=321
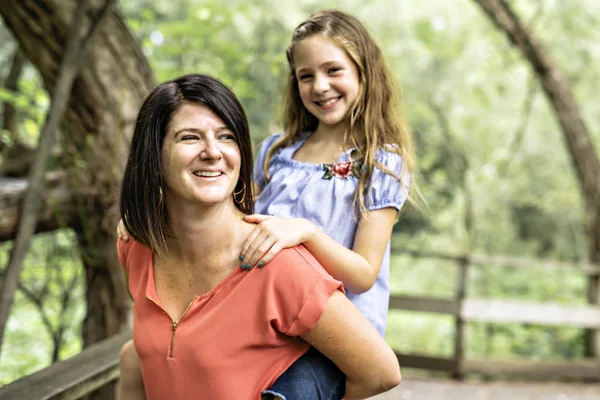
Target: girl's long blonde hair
x=375 y=119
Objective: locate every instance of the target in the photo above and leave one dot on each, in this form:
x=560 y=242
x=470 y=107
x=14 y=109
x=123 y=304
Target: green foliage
x=242 y=44
x=493 y=167
x=52 y=273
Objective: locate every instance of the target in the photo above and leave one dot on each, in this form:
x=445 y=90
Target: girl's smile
x=327 y=79
x=329 y=103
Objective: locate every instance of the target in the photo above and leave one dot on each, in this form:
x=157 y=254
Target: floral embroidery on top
x=342 y=169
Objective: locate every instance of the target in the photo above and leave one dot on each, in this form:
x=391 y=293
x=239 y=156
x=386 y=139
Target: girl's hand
x=121 y=231
x=271 y=235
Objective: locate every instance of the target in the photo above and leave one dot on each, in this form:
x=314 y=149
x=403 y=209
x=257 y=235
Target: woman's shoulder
x=297 y=253
x=132 y=252
x=295 y=272
x=297 y=261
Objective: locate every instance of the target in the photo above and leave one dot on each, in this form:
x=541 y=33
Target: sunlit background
x=494 y=172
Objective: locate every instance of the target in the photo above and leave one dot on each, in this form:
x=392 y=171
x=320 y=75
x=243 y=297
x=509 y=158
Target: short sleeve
x=123 y=250
x=385 y=190
x=259 y=172
x=299 y=290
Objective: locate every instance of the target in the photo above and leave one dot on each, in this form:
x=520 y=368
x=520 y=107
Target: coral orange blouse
x=233 y=341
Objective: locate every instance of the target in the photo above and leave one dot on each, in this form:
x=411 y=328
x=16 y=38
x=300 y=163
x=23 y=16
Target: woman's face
x=200 y=157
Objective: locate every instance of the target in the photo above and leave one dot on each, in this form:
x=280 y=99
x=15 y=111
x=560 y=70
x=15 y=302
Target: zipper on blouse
x=172 y=346
x=175 y=324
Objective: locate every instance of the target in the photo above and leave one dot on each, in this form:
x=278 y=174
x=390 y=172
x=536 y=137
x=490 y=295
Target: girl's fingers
x=249 y=240
x=273 y=251
x=262 y=247
x=255 y=218
x=249 y=256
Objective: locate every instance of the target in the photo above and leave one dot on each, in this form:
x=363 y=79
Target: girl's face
x=200 y=157
x=327 y=79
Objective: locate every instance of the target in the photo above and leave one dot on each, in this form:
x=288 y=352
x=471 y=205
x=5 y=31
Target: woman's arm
x=357 y=268
x=347 y=338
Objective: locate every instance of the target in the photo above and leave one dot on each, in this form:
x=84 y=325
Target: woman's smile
x=208 y=176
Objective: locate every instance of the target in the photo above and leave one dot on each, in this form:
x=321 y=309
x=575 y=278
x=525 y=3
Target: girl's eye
x=334 y=70
x=304 y=77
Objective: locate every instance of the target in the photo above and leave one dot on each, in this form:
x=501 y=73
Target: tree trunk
x=575 y=133
x=106 y=96
x=78 y=40
x=10 y=114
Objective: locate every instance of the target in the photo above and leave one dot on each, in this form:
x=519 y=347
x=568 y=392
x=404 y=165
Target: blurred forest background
x=494 y=169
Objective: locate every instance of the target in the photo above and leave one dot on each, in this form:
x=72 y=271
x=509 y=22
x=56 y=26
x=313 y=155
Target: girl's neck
x=333 y=137
x=330 y=134
x=202 y=232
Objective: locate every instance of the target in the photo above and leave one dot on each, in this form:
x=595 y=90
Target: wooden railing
x=97 y=365
x=465 y=310
x=73 y=378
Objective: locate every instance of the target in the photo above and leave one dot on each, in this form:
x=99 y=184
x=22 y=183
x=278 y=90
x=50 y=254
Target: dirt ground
x=419 y=389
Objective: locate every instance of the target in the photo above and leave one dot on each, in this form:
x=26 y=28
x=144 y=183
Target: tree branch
x=59 y=210
x=575 y=132
x=517 y=139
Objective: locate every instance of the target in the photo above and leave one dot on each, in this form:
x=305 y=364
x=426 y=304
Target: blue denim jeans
x=312 y=377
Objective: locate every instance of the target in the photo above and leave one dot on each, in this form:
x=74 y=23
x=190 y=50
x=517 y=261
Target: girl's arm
x=357 y=268
x=370 y=365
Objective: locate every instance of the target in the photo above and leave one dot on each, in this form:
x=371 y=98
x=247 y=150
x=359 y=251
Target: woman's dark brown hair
x=143 y=209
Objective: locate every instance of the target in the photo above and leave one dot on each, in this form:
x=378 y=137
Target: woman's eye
x=189 y=137
x=227 y=136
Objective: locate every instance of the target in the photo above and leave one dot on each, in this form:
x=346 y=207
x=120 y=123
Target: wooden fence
x=465 y=310
x=73 y=378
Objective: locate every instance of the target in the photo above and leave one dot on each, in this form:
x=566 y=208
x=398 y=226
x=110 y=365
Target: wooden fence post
x=459 y=338
x=592 y=336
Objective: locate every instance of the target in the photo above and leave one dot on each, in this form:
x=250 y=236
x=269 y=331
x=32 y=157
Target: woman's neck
x=200 y=233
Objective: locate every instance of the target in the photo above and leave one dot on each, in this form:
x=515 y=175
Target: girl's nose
x=321 y=84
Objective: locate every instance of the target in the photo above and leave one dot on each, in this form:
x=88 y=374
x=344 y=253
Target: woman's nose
x=211 y=150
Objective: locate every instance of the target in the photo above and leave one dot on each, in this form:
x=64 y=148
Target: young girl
x=336 y=179
x=341 y=169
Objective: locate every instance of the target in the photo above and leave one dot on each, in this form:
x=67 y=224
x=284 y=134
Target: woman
x=203 y=328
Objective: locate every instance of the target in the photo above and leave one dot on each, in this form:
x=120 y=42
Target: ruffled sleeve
x=385 y=190
x=259 y=172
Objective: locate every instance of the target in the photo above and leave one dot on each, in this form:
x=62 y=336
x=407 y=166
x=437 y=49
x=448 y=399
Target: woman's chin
x=214 y=201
